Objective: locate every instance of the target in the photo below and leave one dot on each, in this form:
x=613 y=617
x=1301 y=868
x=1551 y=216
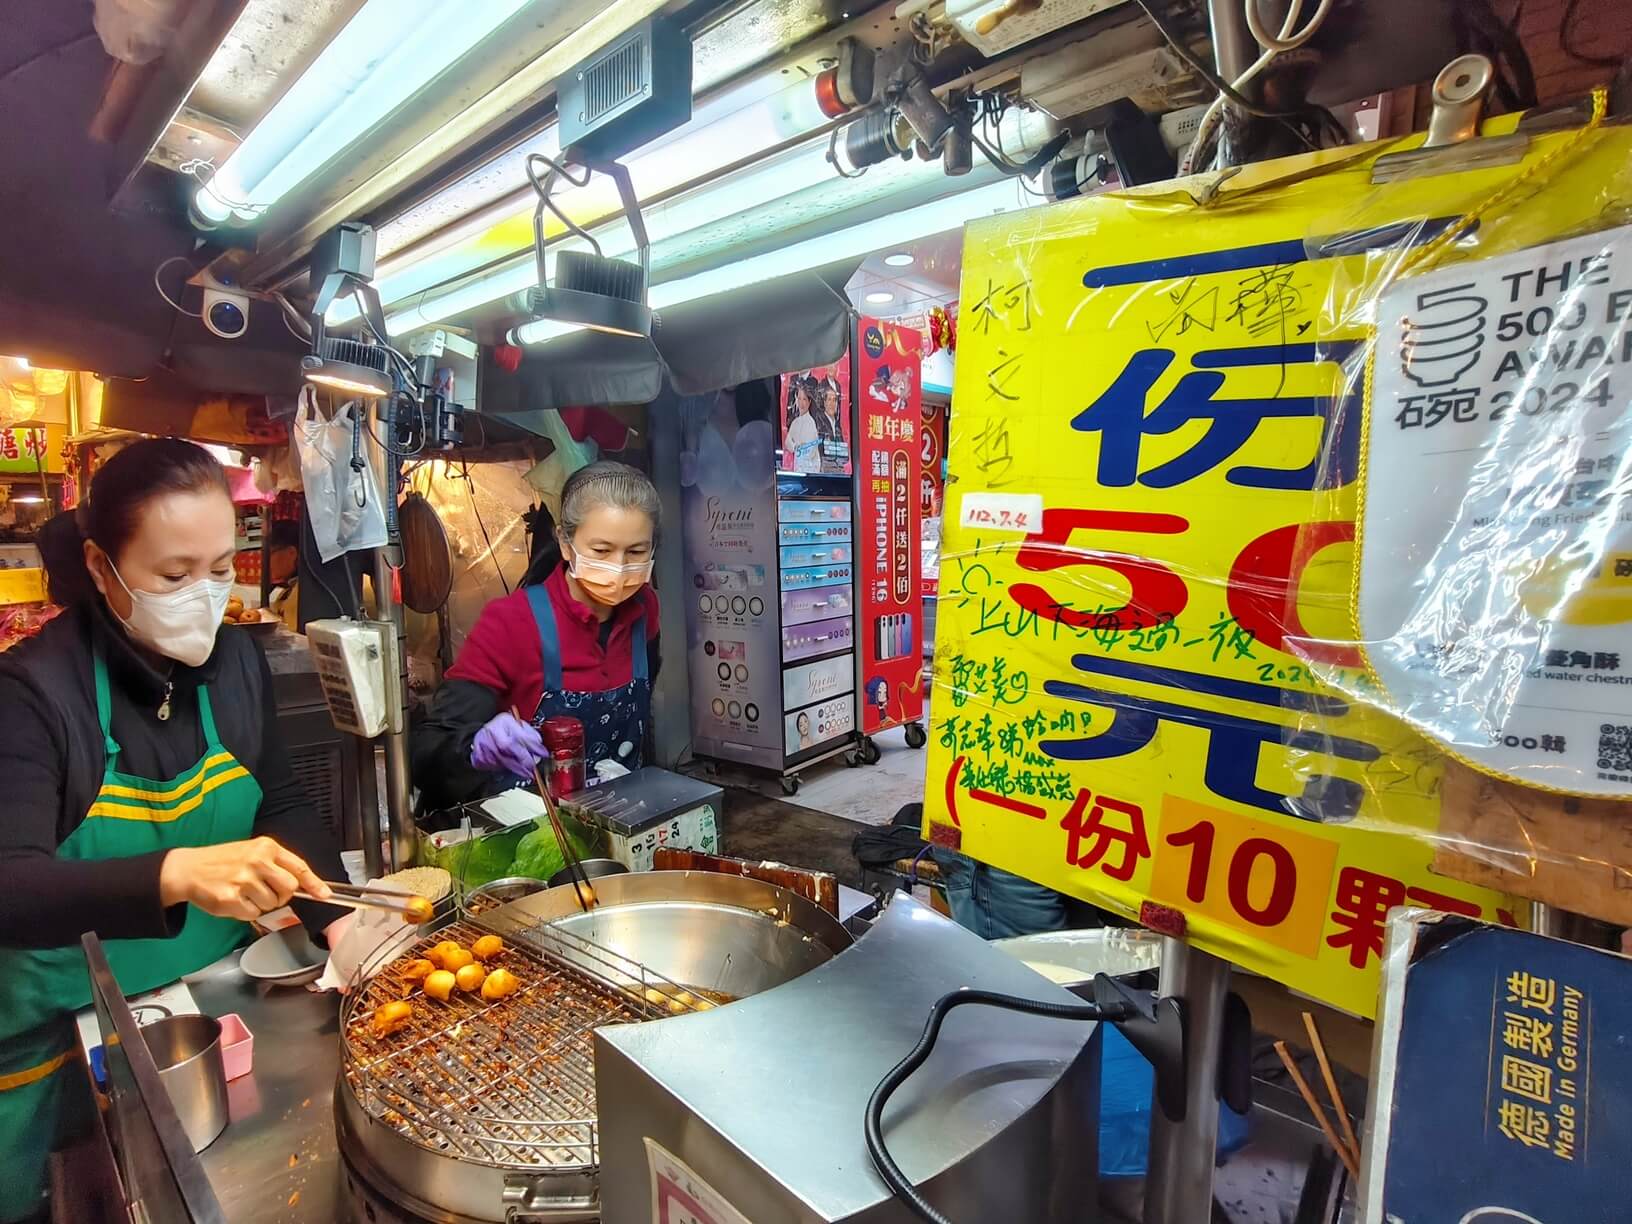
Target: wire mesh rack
x=509 y=1083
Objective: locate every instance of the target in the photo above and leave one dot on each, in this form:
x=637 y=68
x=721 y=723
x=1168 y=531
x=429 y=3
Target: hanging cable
x=874 y=1120
x=1290 y=39
x=1566 y=40
x=1287 y=40
x=470 y=490
x=168 y=300
x=1206 y=73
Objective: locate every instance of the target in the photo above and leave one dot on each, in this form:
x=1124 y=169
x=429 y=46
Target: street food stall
x=1280 y=557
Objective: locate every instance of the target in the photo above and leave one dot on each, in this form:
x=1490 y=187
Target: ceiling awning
x=791 y=323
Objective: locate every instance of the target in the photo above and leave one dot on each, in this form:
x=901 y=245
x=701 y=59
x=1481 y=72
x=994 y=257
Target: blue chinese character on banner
x=1234 y=743
x=1119 y=417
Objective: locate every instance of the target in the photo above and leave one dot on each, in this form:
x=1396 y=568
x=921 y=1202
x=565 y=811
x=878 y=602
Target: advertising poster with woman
x=816 y=420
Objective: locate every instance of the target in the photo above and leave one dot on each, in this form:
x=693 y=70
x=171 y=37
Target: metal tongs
x=413 y=907
x=575 y=869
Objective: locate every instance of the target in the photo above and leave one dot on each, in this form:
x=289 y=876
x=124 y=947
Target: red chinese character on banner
x=1100 y=837
x=1363 y=901
x=8 y=444
x=34 y=443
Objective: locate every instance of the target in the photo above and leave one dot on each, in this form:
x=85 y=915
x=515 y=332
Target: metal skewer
x=575 y=870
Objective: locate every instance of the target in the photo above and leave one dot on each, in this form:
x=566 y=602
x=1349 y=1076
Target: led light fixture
x=854 y=241
x=590 y=288
x=386 y=53
x=343 y=264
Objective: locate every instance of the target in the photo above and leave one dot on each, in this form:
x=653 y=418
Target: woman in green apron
x=147 y=797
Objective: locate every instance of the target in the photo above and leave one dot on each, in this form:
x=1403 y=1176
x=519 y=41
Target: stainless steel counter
x=279 y=1143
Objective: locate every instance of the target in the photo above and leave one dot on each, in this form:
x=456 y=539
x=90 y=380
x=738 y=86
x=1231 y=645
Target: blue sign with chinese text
x=1508 y=1096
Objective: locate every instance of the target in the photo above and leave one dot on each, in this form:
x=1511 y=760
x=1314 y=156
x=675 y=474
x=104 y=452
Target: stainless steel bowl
x=500 y=892
x=594 y=869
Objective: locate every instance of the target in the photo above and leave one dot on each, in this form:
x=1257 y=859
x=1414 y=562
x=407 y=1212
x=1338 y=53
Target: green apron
x=40 y=990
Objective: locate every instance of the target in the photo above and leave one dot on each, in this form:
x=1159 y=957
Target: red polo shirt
x=502 y=651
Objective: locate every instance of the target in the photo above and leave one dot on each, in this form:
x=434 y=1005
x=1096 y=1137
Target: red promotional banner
x=889 y=464
x=931 y=447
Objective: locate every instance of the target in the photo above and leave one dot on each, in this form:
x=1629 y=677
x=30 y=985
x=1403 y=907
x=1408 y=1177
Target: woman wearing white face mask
x=147 y=796
x=582 y=641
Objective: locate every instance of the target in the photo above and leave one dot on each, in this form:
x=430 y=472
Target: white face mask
x=180 y=624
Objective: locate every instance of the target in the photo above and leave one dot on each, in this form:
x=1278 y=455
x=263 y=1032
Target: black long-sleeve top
x=48 y=901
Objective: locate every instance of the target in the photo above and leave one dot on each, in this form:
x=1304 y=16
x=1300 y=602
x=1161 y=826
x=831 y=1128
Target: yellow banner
x=1148 y=536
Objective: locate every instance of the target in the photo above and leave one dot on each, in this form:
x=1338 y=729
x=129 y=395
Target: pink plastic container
x=237 y=1046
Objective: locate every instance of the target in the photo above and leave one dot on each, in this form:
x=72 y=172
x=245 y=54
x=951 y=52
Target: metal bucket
x=187 y=1051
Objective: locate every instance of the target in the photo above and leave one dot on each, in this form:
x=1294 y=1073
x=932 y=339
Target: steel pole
x=398 y=821
x=1179 y=1182
x=1234 y=47
x=397 y=784
x=368 y=805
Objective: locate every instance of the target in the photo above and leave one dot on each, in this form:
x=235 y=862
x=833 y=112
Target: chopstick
x=1349 y=1162
x=1319 y=1048
x=575 y=869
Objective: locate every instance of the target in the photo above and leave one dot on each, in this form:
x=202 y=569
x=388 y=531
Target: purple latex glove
x=505 y=744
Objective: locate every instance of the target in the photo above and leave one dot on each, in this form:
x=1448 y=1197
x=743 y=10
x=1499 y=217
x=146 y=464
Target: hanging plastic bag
x=342 y=497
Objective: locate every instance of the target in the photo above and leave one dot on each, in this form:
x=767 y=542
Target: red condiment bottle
x=564 y=737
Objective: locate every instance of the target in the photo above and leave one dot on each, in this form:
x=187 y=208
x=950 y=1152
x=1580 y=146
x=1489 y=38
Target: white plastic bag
x=342 y=497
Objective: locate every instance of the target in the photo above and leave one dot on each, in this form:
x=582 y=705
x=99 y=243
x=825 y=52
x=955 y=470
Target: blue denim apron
x=614 y=719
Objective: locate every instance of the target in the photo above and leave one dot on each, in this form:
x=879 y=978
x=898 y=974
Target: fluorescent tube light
x=849 y=243
x=386 y=53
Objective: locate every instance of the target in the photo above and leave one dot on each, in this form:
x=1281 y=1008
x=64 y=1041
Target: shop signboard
x=728 y=527
x=888 y=495
x=1501 y=1076
x=1148 y=560
x=26 y=449
x=816 y=421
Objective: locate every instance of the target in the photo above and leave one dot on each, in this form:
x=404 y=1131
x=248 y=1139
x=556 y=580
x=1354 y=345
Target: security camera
x=226 y=311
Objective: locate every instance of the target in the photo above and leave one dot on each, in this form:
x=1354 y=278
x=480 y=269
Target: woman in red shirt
x=582 y=642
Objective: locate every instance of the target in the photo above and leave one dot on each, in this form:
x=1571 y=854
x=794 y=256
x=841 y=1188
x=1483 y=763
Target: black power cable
x=1566 y=40
x=882 y=1161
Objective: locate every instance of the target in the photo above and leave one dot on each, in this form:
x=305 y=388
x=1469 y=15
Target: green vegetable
x=538 y=855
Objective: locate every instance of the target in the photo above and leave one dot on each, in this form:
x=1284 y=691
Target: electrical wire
x=543 y=189
x=1566 y=40
x=874 y=1124
x=470 y=490
x=168 y=300
x=292 y=318
x=1206 y=73
x=1287 y=40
